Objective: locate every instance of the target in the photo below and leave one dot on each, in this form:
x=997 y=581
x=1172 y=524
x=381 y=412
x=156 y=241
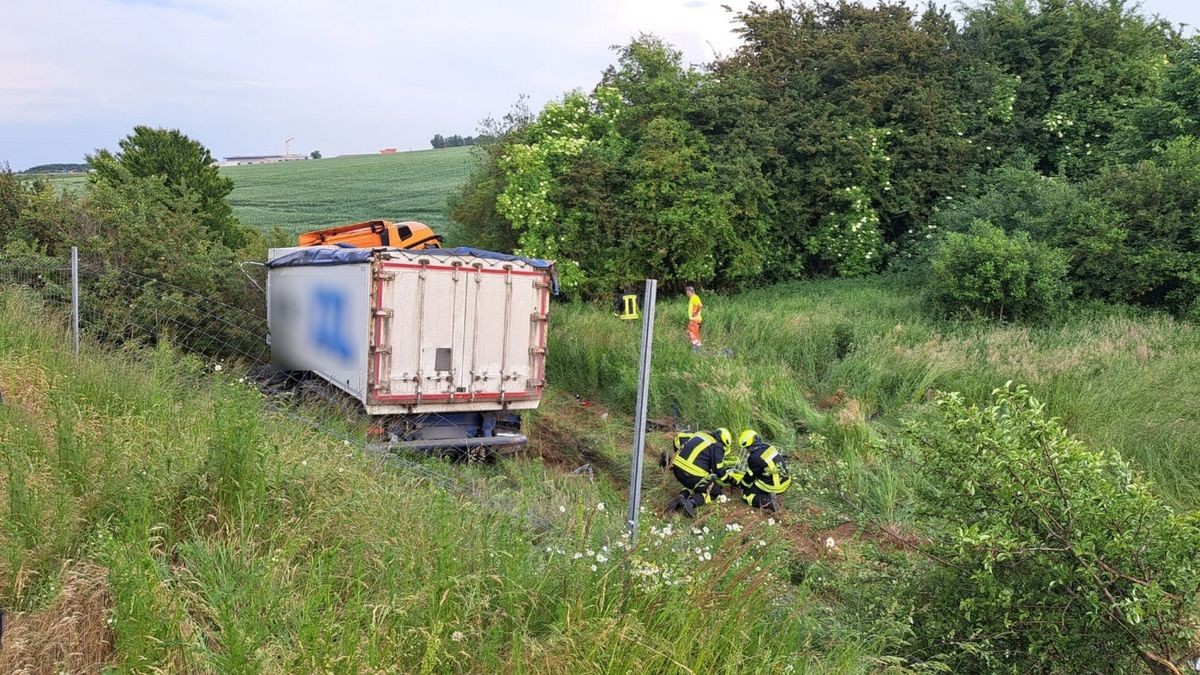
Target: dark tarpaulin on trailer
x=328 y=255
x=322 y=255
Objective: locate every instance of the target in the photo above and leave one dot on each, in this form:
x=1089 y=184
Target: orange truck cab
x=408 y=235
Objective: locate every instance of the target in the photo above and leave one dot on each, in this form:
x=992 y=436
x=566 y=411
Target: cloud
x=341 y=77
x=200 y=8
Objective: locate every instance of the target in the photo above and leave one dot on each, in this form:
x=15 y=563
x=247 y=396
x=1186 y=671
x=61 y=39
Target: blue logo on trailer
x=329 y=323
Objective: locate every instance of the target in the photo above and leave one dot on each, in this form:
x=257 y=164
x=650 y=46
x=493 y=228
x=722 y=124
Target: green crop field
x=300 y=196
x=64 y=182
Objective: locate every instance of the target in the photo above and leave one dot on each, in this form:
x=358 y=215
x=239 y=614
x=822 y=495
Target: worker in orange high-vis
x=695 y=318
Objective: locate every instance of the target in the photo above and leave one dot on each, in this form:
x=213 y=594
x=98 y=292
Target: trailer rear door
x=462 y=331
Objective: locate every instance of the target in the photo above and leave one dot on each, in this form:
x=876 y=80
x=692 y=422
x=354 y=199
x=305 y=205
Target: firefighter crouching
x=702 y=463
x=766 y=475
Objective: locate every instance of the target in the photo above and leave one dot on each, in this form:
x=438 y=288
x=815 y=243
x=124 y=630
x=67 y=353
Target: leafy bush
x=1047 y=555
x=986 y=272
x=1053 y=211
x=1156 y=260
x=184 y=166
x=1018 y=197
x=153 y=255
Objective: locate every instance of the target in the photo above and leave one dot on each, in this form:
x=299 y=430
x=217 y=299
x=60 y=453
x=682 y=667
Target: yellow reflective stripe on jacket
x=779 y=481
x=688 y=463
x=683 y=437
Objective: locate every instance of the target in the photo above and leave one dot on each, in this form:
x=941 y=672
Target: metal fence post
x=75 y=298
x=639 y=433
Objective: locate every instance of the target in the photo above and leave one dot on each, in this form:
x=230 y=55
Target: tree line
x=846 y=138
x=438 y=141
x=56 y=168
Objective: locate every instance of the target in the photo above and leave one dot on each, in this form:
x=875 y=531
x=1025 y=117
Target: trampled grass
x=310 y=194
x=159 y=512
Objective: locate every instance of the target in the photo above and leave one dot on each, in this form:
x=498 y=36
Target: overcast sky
x=340 y=77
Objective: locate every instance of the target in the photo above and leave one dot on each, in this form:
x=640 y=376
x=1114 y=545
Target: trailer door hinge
x=386 y=313
x=385 y=276
x=381 y=349
x=538 y=316
x=537 y=350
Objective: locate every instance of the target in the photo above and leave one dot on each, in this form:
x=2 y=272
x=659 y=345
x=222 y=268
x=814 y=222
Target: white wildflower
x=733 y=527
x=594 y=568
x=218 y=367
x=830 y=543
x=600 y=506
x=562 y=509
x=458 y=636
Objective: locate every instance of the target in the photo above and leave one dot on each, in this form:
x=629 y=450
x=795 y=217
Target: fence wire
x=50 y=278
x=119 y=308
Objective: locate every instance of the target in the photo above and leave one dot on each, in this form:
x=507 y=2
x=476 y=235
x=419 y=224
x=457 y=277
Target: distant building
x=387 y=151
x=260 y=159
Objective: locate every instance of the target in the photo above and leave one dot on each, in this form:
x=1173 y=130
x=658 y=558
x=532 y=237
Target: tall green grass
x=848 y=359
x=236 y=540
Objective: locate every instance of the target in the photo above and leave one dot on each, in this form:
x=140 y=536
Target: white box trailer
x=424 y=334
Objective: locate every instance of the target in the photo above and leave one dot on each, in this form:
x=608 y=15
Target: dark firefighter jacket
x=701 y=455
x=767 y=468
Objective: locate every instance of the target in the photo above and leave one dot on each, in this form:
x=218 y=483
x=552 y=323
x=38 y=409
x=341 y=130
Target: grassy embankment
x=307 y=195
x=157 y=514
x=153 y=516
x=847 y=360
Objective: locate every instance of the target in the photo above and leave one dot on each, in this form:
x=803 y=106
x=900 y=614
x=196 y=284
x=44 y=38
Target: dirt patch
x=892 y=536
x=833 y=400
x=70 y=635
x=851 y=414
x=813 y=543
x=561 y=437
x=837 y=541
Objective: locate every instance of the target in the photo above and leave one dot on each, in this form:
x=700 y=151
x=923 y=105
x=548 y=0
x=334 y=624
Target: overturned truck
x=445 y=347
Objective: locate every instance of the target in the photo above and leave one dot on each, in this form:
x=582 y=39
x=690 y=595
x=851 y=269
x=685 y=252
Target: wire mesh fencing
x=49 y=278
